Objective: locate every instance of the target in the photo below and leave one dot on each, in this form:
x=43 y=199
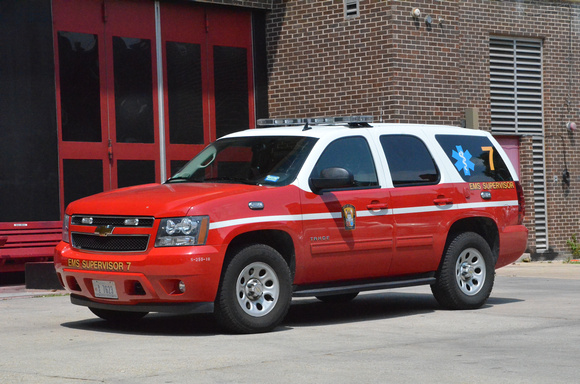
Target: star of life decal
x=463 y=160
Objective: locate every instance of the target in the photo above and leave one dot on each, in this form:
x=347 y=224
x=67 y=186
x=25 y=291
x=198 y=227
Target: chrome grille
x=112 y=243
x=115 y=221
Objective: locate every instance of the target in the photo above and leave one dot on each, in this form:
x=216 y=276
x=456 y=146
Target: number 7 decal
x=490 y=150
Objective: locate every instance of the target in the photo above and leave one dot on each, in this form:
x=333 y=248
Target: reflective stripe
x=253 y=220
x=365 y=213
x=269 y=219
x=435 y=208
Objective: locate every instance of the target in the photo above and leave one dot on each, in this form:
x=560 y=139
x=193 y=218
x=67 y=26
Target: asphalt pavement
x=528 y=332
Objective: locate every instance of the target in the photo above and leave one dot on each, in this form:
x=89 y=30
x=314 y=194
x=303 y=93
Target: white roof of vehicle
x=319 y=131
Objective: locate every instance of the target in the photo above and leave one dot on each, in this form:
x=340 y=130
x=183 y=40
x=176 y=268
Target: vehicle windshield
x=257 y=160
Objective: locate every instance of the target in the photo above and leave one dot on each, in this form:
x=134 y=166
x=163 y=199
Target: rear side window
x=410 y=162
x=475 y=158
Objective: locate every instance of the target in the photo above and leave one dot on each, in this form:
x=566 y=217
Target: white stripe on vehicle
x=360 y=213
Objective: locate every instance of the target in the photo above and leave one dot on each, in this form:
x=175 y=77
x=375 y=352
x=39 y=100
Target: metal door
x=117 y=60
x=105 y=71
x=207 y=76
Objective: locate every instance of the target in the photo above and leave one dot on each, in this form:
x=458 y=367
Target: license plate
x=105 y=289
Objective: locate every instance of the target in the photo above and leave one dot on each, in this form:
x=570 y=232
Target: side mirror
x=332 y=178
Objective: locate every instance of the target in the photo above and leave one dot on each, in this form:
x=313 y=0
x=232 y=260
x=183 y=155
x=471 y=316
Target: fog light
x=181 y=287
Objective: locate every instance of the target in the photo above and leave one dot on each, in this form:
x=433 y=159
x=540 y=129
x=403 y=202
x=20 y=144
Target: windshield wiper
x=228 y=178
x=178 y=178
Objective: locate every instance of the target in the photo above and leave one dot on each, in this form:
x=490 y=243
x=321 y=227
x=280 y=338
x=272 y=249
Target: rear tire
x=118 y=316
x=466 y=275
x=255 y=292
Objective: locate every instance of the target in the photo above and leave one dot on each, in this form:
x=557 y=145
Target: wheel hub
x=254 y=289
x=467 y=271
x=470 y=271
x=258 y=289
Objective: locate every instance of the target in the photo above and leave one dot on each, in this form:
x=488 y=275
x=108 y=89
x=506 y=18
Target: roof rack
x=351 y=121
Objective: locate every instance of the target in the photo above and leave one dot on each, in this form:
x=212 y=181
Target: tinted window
x=262 y=160
x=410 y=163
x=184 y=93
x=475 y=158
x=81 y=178
x=135 y=172
x=352 y=154
x=79 y=86
x=133 y=90
x=231 y=90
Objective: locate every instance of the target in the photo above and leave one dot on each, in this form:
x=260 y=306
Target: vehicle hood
x=157 y=200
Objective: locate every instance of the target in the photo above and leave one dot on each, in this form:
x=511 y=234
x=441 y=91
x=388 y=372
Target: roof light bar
x=316 y=121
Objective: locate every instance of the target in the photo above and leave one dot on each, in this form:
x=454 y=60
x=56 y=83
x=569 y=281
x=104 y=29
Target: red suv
x=310 y=209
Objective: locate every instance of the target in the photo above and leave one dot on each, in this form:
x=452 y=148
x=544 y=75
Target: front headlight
x=65 y=231
x=182 y=231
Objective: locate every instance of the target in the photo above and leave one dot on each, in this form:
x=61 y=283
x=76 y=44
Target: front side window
x=410 y=162
x=352 y=154
x=259 y=160
x=475 y=158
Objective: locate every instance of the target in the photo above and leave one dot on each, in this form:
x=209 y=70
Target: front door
x=348 y=232
x=131 y=111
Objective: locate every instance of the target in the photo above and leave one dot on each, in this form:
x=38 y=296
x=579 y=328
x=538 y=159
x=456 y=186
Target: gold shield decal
x=349 y=217
x=104 y=230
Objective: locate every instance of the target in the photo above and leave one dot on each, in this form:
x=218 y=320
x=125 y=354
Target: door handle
x=377 y=206
x=443 y=201
x=110 y=150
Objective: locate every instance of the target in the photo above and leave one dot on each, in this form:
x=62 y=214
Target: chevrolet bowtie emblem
x=104 y=230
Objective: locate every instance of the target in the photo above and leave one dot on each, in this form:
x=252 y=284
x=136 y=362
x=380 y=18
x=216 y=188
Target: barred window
x=351 y=9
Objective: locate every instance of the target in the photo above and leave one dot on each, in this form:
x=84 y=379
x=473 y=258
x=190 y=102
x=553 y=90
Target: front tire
x=255 y=292
x=466 y=275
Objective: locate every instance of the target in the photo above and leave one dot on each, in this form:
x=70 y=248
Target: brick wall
x=399 y=69
x=557 y=23
x=322 y=64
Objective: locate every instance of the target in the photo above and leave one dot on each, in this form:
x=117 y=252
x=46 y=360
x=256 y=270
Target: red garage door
x=143 y=86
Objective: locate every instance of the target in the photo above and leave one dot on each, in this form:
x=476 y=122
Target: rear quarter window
x=475 y=158
x=410 y=162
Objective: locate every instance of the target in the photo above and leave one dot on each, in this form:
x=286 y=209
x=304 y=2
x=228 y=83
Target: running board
x=360 y=287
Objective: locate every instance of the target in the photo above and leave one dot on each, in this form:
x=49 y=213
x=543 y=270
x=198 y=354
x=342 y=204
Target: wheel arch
x=280 y=240
x=483 y=226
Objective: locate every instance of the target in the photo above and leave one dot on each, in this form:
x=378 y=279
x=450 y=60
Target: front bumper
x=175 y=308
x=147 y=282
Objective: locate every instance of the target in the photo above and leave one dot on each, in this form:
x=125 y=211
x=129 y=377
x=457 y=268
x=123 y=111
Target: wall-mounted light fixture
x=428 y=20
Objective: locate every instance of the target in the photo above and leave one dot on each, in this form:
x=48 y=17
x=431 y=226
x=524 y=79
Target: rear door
x=421 y=199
